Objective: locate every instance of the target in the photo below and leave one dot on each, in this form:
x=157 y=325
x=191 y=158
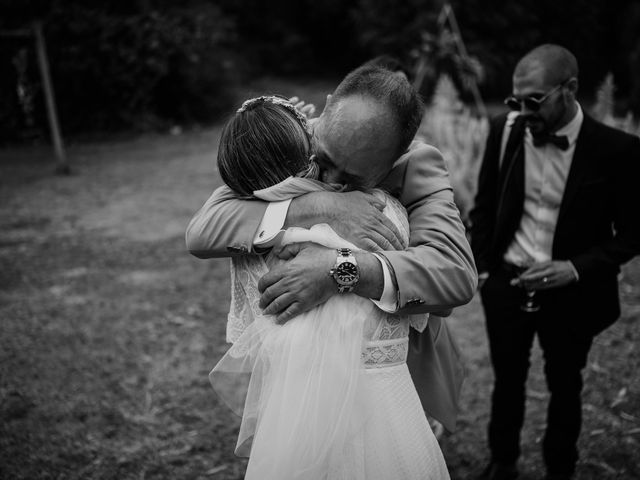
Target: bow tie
x=560 y=141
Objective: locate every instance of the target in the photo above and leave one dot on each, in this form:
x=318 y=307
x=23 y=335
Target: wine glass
x=529 y=305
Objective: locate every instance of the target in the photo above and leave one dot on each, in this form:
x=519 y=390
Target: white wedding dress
x=328 y=395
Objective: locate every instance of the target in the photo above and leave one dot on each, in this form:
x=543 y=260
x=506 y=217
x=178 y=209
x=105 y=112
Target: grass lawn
x=109 y=329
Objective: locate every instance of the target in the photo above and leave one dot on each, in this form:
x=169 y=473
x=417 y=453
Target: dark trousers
x=565 y=349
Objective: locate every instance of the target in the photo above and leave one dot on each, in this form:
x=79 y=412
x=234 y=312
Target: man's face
x=355 y=142
x=530 y=81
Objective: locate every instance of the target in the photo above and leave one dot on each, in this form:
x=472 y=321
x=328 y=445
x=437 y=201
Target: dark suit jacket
x=598 y=225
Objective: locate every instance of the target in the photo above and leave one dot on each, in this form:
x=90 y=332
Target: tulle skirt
x=397 y=442
x=311 y=411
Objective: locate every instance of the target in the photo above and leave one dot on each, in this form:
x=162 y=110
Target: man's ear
x=572 y=84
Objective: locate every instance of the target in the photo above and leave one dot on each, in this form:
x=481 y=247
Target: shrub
x=118 y=70
x=603 y=109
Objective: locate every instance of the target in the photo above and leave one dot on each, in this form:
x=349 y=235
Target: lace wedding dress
x=328 y=395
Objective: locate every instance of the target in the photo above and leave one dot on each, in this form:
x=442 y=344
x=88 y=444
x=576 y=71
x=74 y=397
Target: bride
x=328 y=395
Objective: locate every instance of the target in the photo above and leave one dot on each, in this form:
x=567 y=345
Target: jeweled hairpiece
x=277 y=101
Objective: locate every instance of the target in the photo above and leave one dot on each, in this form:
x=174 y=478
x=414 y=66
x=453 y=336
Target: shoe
x=499 y=471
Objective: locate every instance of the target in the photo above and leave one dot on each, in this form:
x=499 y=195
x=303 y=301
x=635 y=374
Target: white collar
x=572 y=129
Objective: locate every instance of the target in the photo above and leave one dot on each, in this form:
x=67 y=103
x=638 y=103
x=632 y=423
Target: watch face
x=347 y=273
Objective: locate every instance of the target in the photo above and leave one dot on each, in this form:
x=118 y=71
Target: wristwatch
x=345 y=272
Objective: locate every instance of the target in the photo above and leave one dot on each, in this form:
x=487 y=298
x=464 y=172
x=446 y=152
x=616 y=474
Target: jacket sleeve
x=483 y=214
x=607 y=256
x=437 y=271
x=224 y=226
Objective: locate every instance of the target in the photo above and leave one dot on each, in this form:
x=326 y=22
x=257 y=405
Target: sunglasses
x=531 y=103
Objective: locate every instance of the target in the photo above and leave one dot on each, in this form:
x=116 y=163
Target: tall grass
x=603 y=109
x=449 y=125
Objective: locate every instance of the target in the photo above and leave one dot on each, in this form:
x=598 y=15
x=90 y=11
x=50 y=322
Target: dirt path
x=109 y=329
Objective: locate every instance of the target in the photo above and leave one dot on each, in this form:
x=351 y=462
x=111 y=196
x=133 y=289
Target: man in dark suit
x=556 y=214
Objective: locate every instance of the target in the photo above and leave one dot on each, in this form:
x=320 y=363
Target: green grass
x=109 y=329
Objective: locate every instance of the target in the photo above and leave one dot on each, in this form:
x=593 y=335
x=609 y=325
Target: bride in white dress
x=326 y=396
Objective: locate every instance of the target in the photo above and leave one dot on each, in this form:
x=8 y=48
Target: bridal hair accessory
x=276 y=101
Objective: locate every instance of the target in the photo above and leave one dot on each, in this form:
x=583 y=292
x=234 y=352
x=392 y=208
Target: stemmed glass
x=529 y=305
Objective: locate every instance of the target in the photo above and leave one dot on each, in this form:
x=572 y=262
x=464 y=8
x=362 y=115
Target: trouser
x=565 y=349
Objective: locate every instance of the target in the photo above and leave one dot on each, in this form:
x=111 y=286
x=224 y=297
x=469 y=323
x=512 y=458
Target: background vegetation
x=153 y=63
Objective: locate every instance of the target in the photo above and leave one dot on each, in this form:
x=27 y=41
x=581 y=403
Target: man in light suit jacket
x=364 y=132
x=556 y=212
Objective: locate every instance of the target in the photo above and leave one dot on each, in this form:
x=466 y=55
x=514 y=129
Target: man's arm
x=437 y=271
x=606 y=257
x=224 y=226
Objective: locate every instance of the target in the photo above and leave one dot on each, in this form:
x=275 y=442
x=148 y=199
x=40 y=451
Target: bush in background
x=604 y=109
x=134 y=67
x=148 y=63
x=296 y=37
x=127 y=70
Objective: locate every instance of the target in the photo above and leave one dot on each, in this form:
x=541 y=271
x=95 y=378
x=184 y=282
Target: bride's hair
x=266 y=141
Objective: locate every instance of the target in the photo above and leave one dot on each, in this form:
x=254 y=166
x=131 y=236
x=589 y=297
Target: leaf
x=630 y=418
x=215 y=470
x=620 y=397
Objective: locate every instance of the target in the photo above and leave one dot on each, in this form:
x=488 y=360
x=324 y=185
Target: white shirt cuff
x=389 y=299
x=271 y=224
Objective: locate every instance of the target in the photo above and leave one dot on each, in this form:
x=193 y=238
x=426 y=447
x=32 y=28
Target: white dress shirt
x=546 y=171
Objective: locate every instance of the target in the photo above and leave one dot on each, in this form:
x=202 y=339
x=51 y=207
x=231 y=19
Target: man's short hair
x=559 y=63
x=390 y=89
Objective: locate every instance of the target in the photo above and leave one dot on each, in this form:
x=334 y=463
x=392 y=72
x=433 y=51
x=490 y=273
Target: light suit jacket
x=437 y=272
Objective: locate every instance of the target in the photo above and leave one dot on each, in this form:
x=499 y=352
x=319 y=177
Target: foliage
x=440 y=54
x=499 y=33
x=386 y=27
x=460 y=136
x=305 y=37
x=118 y=64
x=144 y=65
x=114 y=69
x=603 y=110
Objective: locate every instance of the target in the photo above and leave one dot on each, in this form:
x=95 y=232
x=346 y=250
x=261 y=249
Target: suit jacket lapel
x=579 y=165
x=511 y=189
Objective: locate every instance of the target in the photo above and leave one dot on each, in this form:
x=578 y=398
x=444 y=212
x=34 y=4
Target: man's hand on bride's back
x=300 y=284
x=355 y=216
